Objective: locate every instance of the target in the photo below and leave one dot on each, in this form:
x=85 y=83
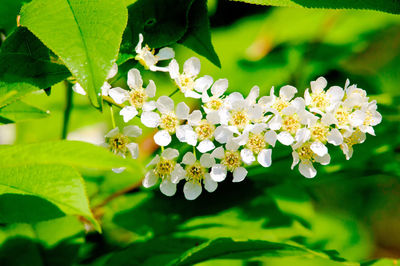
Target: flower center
x=280 y=104
x=291 y=123
x=353 y=139
x=214 y=103
x=319 y=132
x=342 y=116
x=195 y=172
x=186 y=83
x=118 y=143
x=320 y=100
x=256 y=143
x=231 y=160
x=169 y=122
x=205 y=130
x=239 y=118
x=305 y=153
x=164 y=168
x=138 y=97
x=146 y=57
x=368 y=119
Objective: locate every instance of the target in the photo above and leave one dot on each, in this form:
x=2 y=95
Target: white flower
x=306 y=157
x=137 y=96
x=273 y=103
x=168 y=122
x=196 y=174
x=197 y=129
x=164 y=167
x=186 y=81
x=146 y=56
x=349 y=141
x=230 y=160
x=106 y=86
x=320 y=101
x=120 y=144
x=372 y=118
x=214 y=104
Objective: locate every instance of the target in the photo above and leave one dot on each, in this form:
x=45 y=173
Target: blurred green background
x=350 y=206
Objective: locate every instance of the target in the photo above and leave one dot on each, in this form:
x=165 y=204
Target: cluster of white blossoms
x=229 y=132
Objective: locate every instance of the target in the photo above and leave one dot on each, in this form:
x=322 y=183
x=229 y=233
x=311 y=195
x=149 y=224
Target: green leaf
x=198 y=35
x=8 y=14
x=85 y=34
x=25 y=66
x=58 y=184
x=72 y=153
x=19 y=111
x=226 y=248
x=161 y=23
x=388 y=6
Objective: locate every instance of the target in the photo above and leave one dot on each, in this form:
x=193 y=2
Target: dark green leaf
x=19 y=111
x=85 y=34
x=389 y=6
x=198 y=35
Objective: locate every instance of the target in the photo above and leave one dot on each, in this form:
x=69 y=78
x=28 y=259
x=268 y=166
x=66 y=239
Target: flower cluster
x=229 y=132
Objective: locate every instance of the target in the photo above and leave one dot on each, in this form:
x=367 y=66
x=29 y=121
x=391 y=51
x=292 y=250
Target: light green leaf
x=60 y=185
x=19 y=111
x=198 y=35
x=382 y=5
x=85 y=34
x=72 y=153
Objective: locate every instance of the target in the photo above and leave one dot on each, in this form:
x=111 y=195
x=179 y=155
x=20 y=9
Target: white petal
x=206 y=160
x=168 y=188
x=150 y=179
x=154 y=161
x=247 y=156
x=264 y=158
x=162 y=138
x=134 y=79
x=133 y=149
x=319 y=148
x=357 y=118
x=78 y=89
x=335 y=137
x=218 y=172
x=218 y=153
x=222 y=134
x=213 y=117
x=302 y=135
x=132 y=131
x=295 y=156
x=119 y=95
x=232 y=145
x=177 y=174
x=202 y=84
x=192 y=190
x=149 y=106
x=138 y=47
x=275 y=123
x=170 y=153
x=307 y=170
x=182 y=111
x=105 y=89
x=205 y=146
x=239 y=174
x=219 y=87
x=118 y=170
x=270 y=137
x=318 y=85
x=324 y=160
x=128 y=112
x=165 y=104
x=285 y=138
x=253 y=95
x=209 y=184
x=173 y=69
x=166 y=53
x=113 y=132
x=336 y=93
x=113 y=71
x=192 y=66
x=195 y=118
x=287 y=92
x=307 y=97
x=151 y=89
x=156 y=68
x=192 y=94
x=150 y=119
x=189 y=158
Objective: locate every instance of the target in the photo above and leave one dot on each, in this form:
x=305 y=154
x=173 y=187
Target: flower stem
x=67 y=110
x=111 y=101
x=194 y=151
x=172 y=94
x=112 y=117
